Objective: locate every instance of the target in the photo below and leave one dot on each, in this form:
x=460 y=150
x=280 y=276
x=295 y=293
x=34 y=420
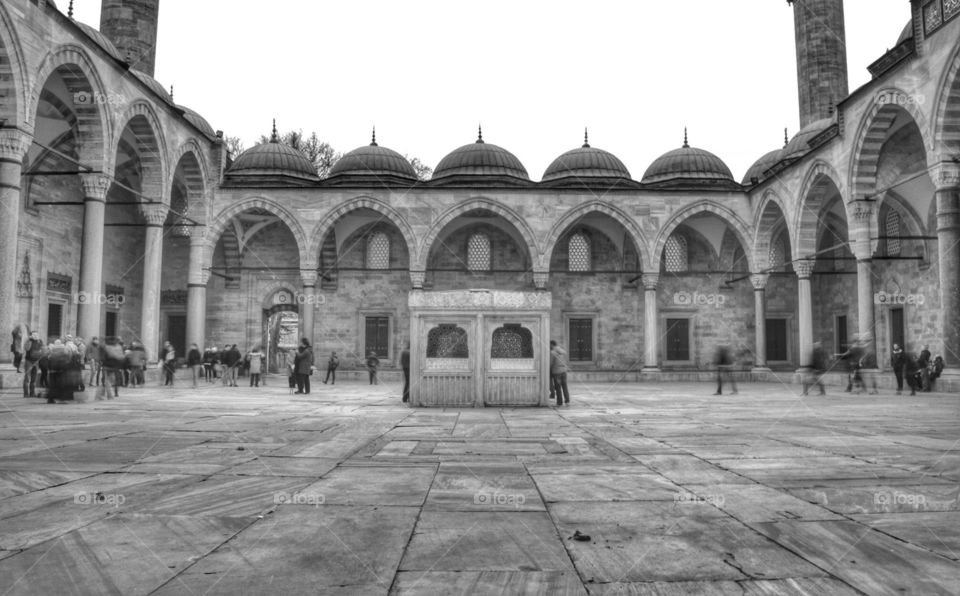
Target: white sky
x=532 y=72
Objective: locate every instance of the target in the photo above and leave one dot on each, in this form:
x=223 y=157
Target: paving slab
x=394 y=486
x=935 y=531
x=483 y=487
x=469 y=583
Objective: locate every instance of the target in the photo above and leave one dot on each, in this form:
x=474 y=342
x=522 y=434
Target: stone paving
x=632 y=489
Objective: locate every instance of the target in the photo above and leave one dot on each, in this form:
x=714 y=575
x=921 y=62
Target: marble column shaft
x=948 y=244
x=13 y=146
x=804 y=270
x=154 y=215
x=307 y=304
x=759 y=282
x=197 y=290
x=89 y=303
x=651 y=333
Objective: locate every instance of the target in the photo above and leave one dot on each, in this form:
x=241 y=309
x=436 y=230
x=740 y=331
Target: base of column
x=760 y=369
x=650 y=369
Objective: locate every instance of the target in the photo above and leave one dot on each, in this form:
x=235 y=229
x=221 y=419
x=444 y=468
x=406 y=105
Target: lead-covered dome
x=481 y=159
x=586 y=163
x=800 y=143
x=198 y=121
x=372 y=161
x=687 y=163
x=152 y=83
x=100 y=39
x=766 y=161
x=273 y=161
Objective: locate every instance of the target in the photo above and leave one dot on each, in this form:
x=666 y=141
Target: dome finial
x=786 y=140
x=274 y=137
x=479 y=133
x=171 y=92
x=373 y=141
x=70 y=10
x=586 y=141
x=685 y=143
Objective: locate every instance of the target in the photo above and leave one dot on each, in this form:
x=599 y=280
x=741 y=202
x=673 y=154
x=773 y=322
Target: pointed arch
x=946 y=115
x=596 y=206
x=736 y=224
x=14 y=88
x=321 y=230
x=141 y=118
x=770 y=211
x=511 y=216
x=888 y=104
x=189 y=162
x=219 y=223
x=817 y=183
x=93 y=123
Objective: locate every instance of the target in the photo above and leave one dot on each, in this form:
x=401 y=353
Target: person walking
x=168 y=358
x=923 y=362
x=112 y=360
x=898 y=360
x=195 y=362
x=405 y=366
x=92 y=357
x=303 y=365
x=816 y=365
x=33 y=352
x=373 y=363
x=137 y=362
x=558 y=374
x=231 y=362
x=16 y=346
x=724 y=363
x=853 y=356
x=332 y=363
x=256 y=365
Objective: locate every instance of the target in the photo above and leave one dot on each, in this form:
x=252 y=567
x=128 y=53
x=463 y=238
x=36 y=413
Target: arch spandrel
x=571 y=217
x=389 y=214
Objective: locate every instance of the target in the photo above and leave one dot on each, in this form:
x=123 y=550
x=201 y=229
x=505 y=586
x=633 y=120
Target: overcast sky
x=533 y=73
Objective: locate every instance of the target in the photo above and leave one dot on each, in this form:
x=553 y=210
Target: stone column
x=804 y=269
x=307 y=303
x=948 y=246
x=154 y=215
x=863 y=251
x=13 y=146
x=197 y=289
x=651 y=333
x=759 y=281
x=89 y=303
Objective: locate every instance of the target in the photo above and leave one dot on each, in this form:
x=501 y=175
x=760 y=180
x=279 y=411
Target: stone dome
x=373 y=160
x=907 y=32
x=800 y=143
x=761 y=165
x=198 y=121
x=687 y=163
x=586 y=162
x=480 y=159
x=273 y=159
x=100 y=39
x=154 y=85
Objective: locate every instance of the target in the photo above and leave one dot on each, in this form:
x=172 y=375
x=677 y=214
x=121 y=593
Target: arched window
x=579 y=257
x=478 y=252
x=776 y=255
x=675 y=254
x=378 y=251
x=893 y=233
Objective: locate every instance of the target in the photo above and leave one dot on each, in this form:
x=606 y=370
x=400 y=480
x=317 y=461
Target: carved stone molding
x=473 y=300
x=759 y=280
x=946 y=176
x=95 y=186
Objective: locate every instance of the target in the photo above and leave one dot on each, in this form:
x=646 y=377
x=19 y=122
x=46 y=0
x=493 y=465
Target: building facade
x=125 y=215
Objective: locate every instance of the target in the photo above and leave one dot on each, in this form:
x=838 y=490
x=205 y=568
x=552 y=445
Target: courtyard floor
x=632 y=489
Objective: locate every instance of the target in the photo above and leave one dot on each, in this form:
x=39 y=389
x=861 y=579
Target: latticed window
x=893 y=233
x=578 y=253
x=675 y=254
x=478 y=253
x=447 y=341
x=511 y=341
x=378 y=251
x=776 y=256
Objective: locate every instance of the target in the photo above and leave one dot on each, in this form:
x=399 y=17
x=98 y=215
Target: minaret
x=132 y=26
x=821 y=57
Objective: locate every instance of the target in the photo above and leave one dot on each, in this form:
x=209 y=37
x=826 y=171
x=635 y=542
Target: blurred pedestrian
x=923 y=363
x=332 y=364
x=168 y=360
x=558 y=374
x=195 y=362
x=898 y=361
x=724 y=363
x=405 y=366
x=373 y=363
x=815 y=367
x=33 y=352
x=303 y=364
x=255 y=359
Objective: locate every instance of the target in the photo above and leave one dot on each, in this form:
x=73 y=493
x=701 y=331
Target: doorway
x=897 y=331
x=280 y=335
x=177 y=333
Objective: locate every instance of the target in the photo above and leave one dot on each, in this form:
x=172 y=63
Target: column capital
x=154 y=214
x=14 y=144
x=862 y=211
x=759 y=280
x=540 y=279
x=308 y=277
x=650 y=280
x=417 y=278
x=198 y=234
x=945 y=175
x=95 y=186
x=804 y=267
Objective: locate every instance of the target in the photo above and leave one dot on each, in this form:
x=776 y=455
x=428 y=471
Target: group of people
x=59 y=366
x=920 y=372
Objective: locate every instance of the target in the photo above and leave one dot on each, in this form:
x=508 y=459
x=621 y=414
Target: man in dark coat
x=898 y=360
x=405 y=365
x=303 y=365
x=34 y=351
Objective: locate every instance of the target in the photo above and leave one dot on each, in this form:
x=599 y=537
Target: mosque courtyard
x=631 y=489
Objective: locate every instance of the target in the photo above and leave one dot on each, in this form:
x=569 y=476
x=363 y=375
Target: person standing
x=256 y=365
x=816 y=366
x=195 y=362
x=303 y=364
x=33 y=352
x=332 y=363
x=168 y=357
x=92 y=356
x=724 y=362
x=558 y=373
x=16 y=346
x=405 y=365
x=136 y=362
x=898 y=360
x=923 y=362
x=373 y=363
x=112 y=360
